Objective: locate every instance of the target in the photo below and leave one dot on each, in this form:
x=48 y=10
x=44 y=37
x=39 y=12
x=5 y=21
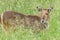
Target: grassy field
x=29 y=7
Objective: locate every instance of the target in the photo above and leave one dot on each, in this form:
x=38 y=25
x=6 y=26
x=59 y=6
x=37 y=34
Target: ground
x=29 y=7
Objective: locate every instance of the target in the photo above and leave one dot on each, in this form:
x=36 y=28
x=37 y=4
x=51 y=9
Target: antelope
x=12 y=19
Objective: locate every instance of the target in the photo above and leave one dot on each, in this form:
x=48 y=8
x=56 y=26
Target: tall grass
x=29 y=7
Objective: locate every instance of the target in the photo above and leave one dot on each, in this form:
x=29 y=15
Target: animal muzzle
x=44 y=23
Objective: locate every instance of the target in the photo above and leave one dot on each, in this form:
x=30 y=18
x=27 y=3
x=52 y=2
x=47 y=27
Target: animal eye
x=46 y=13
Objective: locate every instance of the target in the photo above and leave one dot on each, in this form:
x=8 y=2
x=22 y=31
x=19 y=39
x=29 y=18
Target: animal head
x=44 y=12
x=44 y=15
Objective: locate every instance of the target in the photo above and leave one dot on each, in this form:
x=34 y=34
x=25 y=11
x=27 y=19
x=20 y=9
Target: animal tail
x=1 y=18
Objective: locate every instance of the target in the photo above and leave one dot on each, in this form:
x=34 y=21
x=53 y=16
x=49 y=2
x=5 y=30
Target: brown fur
x=13 y=19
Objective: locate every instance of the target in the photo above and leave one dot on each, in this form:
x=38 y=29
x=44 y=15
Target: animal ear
x=39 y=8
x=49 y=9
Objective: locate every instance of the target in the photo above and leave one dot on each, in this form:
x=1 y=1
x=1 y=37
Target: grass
x=29 y=7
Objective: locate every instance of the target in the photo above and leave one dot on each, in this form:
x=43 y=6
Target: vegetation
x=29 y=7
